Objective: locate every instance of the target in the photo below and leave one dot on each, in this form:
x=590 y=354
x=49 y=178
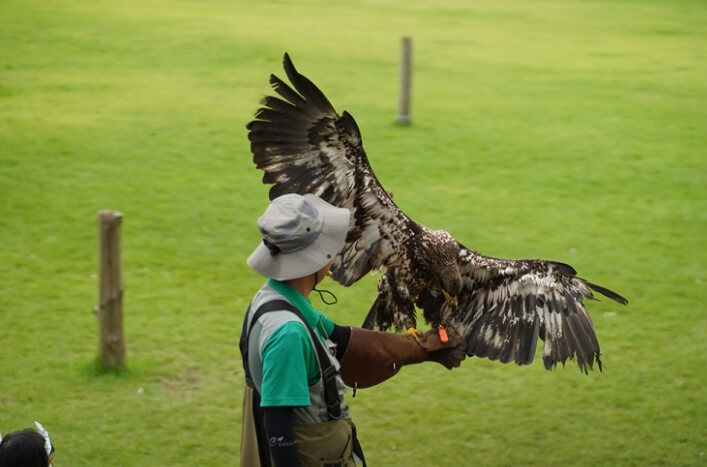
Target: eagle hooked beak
x=450 y=300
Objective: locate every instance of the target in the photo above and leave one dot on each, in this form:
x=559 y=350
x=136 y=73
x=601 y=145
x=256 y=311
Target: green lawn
x=569 y=130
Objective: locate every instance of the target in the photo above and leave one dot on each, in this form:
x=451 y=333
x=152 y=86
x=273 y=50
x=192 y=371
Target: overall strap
x=245 y=331
x=328 y=371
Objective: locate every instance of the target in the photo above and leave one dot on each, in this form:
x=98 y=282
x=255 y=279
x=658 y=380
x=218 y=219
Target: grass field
x=569 y=130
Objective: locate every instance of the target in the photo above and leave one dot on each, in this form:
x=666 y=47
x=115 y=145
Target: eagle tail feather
x=373 y=318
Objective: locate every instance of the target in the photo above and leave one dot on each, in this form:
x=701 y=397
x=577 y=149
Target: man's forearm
x=372 y=357
x=281 y=436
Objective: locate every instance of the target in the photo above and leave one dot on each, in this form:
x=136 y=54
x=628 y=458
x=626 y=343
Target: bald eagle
x=499 y=306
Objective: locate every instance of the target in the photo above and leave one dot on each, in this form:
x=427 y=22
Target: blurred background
x=567 y=130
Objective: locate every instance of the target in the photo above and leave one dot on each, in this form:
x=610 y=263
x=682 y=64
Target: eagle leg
x=415 y=333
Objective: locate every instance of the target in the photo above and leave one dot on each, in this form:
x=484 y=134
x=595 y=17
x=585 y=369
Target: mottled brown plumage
x=499 y=306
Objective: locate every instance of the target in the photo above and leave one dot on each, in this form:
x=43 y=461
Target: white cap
x=301 y=234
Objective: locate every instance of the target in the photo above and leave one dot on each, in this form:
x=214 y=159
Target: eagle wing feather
x=505 y=305
x=304 y=146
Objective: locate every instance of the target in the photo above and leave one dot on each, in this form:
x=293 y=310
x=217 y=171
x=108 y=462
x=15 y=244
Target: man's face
x=323 y=272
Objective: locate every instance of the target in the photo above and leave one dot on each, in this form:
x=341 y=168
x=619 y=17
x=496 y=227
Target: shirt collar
x=304 y=305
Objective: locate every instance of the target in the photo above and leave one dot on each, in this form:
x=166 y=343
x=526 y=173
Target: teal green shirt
x=289 y=359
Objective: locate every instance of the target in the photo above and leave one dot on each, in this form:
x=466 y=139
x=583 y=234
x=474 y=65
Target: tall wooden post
x=403 y=116
x=110 y=290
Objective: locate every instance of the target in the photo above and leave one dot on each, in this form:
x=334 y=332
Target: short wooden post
x=403 y=116
x=110 y=290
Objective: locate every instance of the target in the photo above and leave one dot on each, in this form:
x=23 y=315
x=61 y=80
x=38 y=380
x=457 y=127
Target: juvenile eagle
x=499 y=306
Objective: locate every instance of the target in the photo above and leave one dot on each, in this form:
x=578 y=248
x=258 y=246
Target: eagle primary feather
x=501 y=306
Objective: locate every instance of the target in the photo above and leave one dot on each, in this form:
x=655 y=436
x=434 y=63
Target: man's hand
x=450 y=353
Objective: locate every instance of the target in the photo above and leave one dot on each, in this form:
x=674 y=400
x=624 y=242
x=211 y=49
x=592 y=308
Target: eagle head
x=439 y=259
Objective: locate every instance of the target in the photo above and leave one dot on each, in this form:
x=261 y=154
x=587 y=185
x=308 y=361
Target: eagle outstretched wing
x=505 y=305
x=499 y=306
x=304 y=146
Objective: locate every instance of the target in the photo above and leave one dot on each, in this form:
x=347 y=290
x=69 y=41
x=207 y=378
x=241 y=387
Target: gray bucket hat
x=301 y=234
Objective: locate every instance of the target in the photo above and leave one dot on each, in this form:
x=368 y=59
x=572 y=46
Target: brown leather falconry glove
x=371 y=357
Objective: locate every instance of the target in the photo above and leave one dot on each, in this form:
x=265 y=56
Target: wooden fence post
x=403 y=116
x=110 y=290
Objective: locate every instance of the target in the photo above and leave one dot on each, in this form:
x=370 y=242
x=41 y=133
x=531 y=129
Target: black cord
x=321 y=292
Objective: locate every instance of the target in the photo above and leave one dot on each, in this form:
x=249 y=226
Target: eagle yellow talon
x=451 y=300
x=414 y=333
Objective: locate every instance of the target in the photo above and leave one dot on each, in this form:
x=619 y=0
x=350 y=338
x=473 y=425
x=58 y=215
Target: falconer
x=297 y=360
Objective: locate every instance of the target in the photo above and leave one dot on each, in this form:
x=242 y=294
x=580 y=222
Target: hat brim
x=311 y=259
